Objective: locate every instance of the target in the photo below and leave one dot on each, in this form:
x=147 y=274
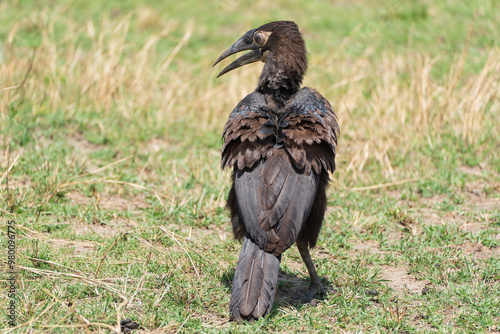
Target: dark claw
x=307 y=298
x=313 y=292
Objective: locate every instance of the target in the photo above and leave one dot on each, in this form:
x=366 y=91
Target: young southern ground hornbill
x=280 y=141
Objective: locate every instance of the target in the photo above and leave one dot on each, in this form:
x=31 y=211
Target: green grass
x=113 y=144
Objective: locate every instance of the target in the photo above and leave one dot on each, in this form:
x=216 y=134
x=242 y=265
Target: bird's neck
x=281 y=78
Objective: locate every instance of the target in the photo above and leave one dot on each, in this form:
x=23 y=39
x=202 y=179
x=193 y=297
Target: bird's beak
x=242 y=44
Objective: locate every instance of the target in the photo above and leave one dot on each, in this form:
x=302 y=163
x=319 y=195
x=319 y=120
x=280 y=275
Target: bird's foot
x=314 y=290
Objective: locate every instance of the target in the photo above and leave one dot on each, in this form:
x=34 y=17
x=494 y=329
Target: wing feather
x=246 y=133
x=311 y=134
x=277 y=156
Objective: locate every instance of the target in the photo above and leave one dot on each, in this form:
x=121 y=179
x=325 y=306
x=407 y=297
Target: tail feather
x=268 y=287
x=254 y=283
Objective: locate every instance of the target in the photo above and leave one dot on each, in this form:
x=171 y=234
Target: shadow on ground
x=291 y=289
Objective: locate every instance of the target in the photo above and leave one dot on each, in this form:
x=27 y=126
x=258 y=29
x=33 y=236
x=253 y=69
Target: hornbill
x=280 y=142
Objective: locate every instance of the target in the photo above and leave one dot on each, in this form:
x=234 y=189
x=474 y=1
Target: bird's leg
x=315 y=287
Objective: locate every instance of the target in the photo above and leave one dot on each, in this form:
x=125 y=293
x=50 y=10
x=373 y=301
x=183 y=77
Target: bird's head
x=280 y=46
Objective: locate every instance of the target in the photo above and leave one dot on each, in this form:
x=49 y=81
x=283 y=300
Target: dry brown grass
x=383 y=104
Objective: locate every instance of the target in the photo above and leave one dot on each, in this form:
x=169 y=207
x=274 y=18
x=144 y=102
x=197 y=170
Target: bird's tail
x=254 y=283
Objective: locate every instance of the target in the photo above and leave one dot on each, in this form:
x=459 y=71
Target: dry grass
x=112 y=221
x=379 y=110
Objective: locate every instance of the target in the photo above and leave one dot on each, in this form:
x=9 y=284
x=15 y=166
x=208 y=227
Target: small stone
x=372 y=292
x=127 y=325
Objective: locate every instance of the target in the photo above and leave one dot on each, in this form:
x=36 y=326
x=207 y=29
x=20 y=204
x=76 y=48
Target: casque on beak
x=245 y=42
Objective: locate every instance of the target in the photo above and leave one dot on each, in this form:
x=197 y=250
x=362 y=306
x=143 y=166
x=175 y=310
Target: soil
x=398 y=279
x=110 y=201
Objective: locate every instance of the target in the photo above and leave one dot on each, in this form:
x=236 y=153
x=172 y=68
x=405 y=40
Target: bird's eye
x=257 y=39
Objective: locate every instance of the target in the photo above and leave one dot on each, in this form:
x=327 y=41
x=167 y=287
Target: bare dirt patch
x=155 y=145
x=212 y=320
x=475 y=222
x=78 y=198
x=479 y=202
x=82 y=144
x=110 y=229
x=476 y=170
x=110 y=201
x=436 y=217
x=478 y=195
x=369 y=246
x=482 y=195
x=477 y=250
x=80 y=246
x=100 y=229
x=221 y=233
x=398 y=279
x=16 y=184
x=487 y=204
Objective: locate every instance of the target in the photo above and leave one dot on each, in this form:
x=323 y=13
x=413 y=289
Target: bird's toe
x=314 y=290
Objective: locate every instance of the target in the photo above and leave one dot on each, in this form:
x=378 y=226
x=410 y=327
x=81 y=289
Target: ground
x=110 y=123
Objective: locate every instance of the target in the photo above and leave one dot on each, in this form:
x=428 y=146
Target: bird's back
x=278 y=157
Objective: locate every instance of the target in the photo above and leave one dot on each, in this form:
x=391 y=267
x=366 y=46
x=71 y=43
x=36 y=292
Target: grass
x=110 y=122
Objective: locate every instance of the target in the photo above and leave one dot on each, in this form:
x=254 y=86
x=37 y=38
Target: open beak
x=242 y=44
